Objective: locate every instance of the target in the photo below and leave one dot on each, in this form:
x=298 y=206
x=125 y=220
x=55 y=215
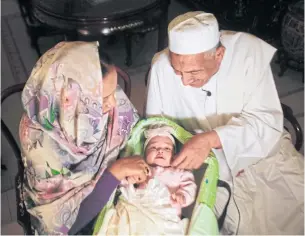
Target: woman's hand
x=134 y=169
x=196 y=150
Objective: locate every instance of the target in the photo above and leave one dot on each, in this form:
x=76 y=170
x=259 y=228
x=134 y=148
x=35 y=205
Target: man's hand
x=196 y=150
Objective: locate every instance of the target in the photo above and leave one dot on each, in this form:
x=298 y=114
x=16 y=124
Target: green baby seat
x=203 y=220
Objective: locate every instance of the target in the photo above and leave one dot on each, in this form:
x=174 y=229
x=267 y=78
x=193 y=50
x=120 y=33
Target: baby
x=159 y=151
x=153 y=207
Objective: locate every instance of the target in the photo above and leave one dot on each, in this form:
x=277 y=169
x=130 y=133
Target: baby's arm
x=187 y=188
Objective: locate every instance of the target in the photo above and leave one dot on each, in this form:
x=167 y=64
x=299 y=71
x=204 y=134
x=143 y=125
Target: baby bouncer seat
x=203 y=220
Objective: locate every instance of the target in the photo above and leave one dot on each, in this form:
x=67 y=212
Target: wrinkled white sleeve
x=153 y=100
x=253 y=134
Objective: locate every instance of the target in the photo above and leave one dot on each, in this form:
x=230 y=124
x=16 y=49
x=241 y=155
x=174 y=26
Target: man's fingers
x=178 y=159
x=190 y=166
x=200 y=163
x=197 y=166
x=183 y=165
x=194 y=164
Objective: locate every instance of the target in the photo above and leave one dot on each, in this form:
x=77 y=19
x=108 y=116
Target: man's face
x=196 y=69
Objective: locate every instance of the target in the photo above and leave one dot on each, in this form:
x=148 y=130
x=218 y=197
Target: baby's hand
x=135 y=180
x=178 y=198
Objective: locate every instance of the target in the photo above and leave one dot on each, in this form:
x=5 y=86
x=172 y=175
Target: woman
x=71 y=132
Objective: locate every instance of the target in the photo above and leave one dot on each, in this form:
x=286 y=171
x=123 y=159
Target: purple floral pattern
x=66 y=140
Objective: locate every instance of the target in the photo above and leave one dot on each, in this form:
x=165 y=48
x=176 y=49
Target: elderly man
x=219 y=85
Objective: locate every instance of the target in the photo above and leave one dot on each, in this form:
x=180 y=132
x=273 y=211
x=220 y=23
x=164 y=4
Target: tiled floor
x=18 y=59
x=12 y=228
x=5 y=210
x=9 y=225
x=8 y=199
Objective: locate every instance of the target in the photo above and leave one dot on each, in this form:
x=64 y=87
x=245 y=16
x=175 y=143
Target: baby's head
x=159 y=146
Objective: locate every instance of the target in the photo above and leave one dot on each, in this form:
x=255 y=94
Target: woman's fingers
x=132 y=179
x=141 y=178
x=146 y=169
x=136 y=179
x=143 y=172
x=142 y=167
x=130 y=166
x=137 y=168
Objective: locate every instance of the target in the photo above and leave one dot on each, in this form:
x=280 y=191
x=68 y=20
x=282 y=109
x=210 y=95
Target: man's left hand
x=196 y=150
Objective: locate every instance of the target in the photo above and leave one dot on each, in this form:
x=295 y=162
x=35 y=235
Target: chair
x=288 y=115
x=23 y=217
x=246 y=15
x=34 y=29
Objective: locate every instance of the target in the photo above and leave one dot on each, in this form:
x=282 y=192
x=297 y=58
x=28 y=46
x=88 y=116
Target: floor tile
x=295 y=101
x=9 y=7
x=6 y=183
x=11 y=229
x=5 y=211
x=11 y=195
x=291 y=80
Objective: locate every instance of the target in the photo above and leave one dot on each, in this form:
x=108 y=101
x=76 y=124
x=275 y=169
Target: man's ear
x=220 y=51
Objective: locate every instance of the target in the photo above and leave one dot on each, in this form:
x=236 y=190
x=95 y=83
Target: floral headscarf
x=66 y=140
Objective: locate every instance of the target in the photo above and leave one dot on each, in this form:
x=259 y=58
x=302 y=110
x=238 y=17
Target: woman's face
x=109 y=87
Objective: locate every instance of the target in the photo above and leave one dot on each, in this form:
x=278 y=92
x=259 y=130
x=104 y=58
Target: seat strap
x=221 y=219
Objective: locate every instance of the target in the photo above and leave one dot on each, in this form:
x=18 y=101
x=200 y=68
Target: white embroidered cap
x=193 y=33
x=164 y=131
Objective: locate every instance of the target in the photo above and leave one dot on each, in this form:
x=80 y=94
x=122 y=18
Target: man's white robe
x=245 y=111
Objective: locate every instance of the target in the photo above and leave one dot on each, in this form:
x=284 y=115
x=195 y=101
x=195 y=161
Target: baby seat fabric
x=203 y=220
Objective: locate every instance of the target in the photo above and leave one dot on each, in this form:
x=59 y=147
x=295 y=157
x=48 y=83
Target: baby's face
x=159 y=151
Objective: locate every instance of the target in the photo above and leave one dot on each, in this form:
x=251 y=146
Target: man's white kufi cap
x=193 y=33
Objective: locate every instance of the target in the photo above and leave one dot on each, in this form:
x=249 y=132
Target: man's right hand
x=134 y=167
